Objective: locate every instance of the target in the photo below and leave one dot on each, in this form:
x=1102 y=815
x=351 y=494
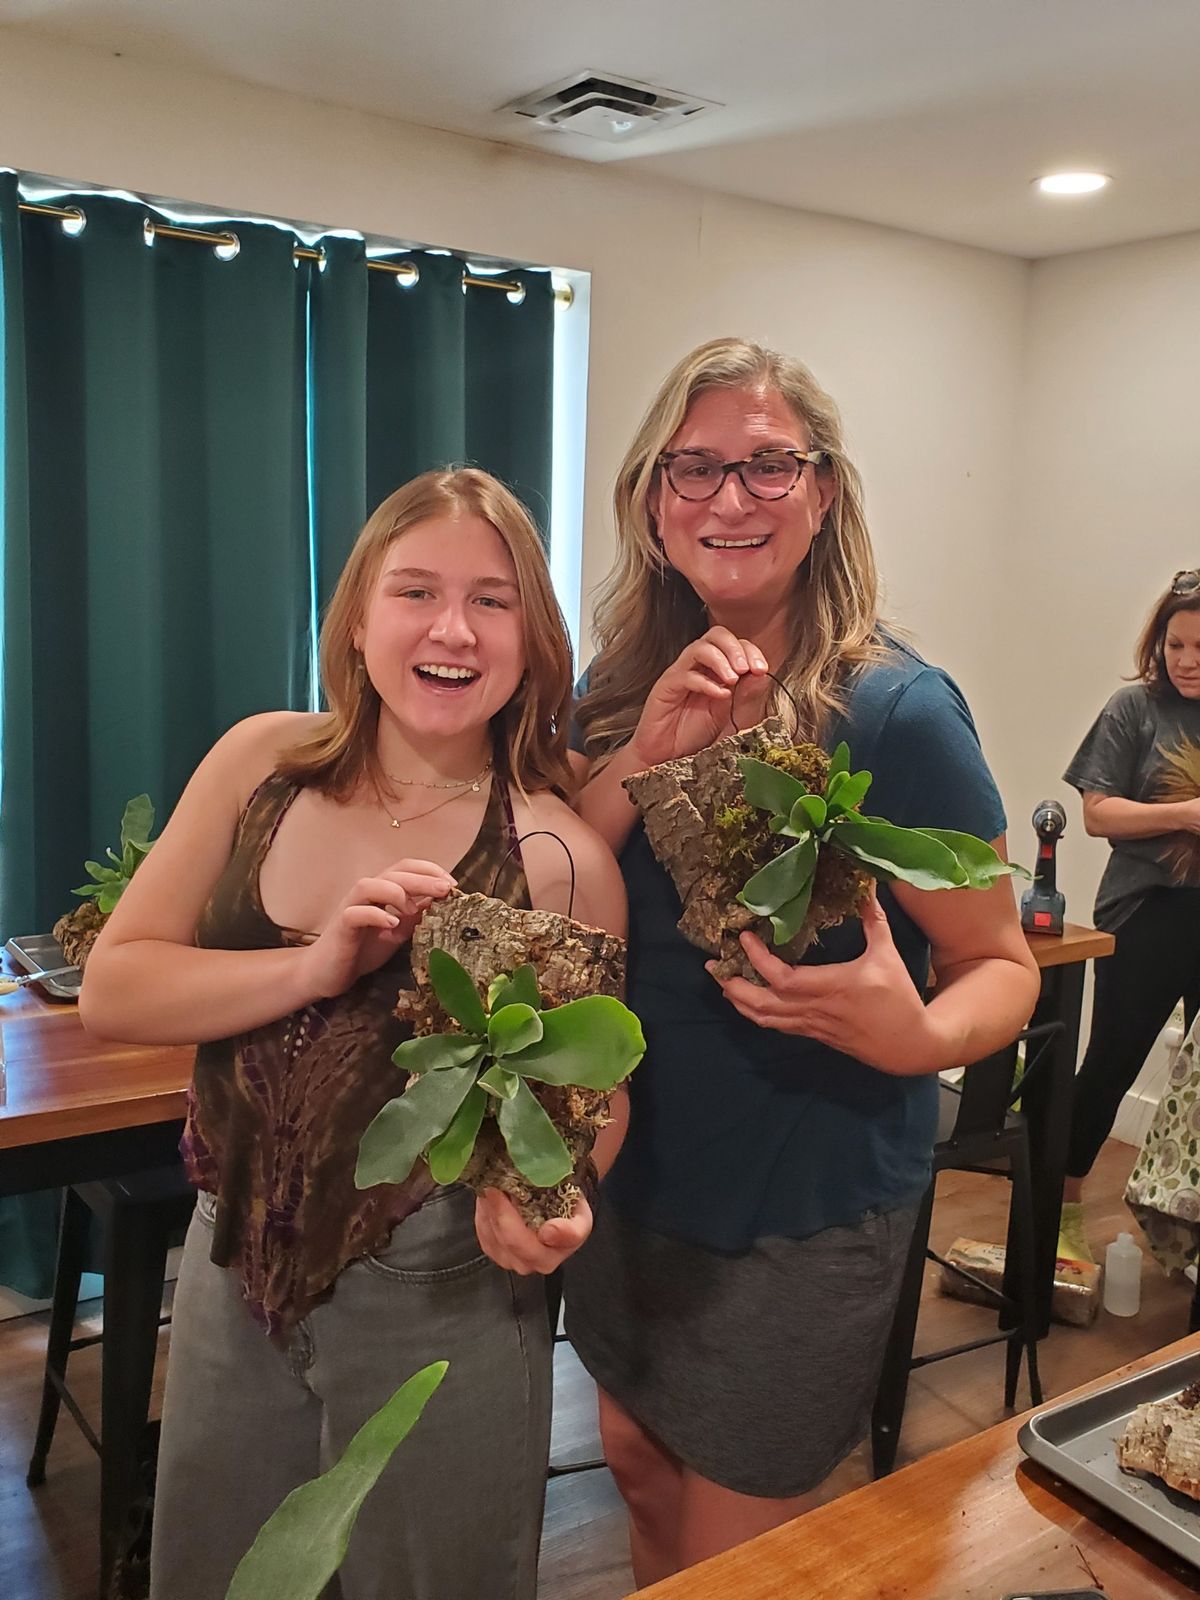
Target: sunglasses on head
x=1186 y=581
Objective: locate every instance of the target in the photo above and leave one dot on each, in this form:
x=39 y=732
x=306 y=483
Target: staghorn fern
x=110 y=883
x=928 y=858
x=456 y=1079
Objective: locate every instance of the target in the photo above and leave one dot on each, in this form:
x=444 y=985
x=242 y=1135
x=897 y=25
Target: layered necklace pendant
x=460 y=787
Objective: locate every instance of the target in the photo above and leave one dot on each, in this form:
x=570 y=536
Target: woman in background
x=1138 y=770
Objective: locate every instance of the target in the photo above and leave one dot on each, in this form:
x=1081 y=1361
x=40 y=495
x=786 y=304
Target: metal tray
x=41 y=952
x=1077 y=1442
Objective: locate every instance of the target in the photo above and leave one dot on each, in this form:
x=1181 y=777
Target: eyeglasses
x=1186 y=581
x=767 y=476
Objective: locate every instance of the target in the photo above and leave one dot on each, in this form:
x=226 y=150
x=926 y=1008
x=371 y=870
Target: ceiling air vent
x=601 y=106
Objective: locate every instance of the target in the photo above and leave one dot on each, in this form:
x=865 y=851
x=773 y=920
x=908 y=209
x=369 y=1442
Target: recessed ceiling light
x=1072 y=182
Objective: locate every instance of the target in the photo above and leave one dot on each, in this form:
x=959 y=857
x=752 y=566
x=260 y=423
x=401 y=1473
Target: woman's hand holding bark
x=692 y=704
x=512 y=1244
x=867 y=1008
x=372 y=922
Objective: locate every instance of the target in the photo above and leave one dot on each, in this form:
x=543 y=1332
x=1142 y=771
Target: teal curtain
x=456 y=377
x=190 y=447
x=405 y=378
x=157 y=583
x=18 y=875
x=338 y=406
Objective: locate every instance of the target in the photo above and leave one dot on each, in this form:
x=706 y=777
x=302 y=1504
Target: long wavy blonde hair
x=647 y=613
x=530 y=733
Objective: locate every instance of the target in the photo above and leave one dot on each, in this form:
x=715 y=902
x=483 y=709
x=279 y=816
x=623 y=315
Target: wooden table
x=79 y=1108
x=976 y=1521
x=1047 y=1092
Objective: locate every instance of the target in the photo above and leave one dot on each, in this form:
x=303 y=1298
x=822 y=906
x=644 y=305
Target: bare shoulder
x=599 y=888
x=169 y=892
x=555 y=816
x=252 y=748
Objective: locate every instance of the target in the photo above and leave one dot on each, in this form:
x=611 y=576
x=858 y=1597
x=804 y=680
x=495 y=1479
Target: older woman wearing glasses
x=736 y=1300
x=1138 y=771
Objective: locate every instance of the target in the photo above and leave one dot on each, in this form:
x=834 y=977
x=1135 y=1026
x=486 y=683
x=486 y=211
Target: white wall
x=1103 y=506
x=920 y=341
x=1027 y=432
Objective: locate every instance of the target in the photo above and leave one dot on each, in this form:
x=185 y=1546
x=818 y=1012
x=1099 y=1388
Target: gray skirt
x=757 y=1370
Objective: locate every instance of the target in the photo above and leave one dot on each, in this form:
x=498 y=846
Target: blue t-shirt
x=738 y=1132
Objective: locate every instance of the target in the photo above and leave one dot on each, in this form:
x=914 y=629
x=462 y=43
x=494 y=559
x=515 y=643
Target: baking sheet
x=1077 y=1442
x=41 y=952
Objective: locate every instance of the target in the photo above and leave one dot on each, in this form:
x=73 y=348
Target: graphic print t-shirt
x=1142 y=747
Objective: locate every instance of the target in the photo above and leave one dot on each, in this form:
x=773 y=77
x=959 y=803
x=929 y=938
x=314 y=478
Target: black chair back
x=986 y=1095
x=989 y=1088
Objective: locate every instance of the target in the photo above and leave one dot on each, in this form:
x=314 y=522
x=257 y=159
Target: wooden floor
x=47 y=1536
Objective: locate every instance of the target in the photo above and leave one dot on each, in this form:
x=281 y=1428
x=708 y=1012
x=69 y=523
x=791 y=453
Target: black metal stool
x=554 y=1297
x=978 y=1132
x=141 y=1216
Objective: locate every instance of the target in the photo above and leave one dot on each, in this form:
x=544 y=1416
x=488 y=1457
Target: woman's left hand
x=867 y=1008
x=513 y=1245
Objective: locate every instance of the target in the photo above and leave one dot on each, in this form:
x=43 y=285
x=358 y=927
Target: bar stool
x=554 y=1298
x=978 y=1131
x=141 y=1216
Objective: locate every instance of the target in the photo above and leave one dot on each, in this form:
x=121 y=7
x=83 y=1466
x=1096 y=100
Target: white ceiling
x=932 y=115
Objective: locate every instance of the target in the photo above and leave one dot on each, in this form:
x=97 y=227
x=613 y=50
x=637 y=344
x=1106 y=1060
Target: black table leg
x=1046 y=1097
x=135 y=1267
x=72 y=1248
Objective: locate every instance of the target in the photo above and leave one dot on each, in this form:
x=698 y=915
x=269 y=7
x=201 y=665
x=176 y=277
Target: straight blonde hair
x=647 y=613
x=530 y=732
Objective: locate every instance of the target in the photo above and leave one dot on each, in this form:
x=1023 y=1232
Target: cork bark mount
x=711 y=841
x=571 y=960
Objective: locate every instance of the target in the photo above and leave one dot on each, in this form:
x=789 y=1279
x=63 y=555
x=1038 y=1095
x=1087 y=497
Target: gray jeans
x=458 y=1511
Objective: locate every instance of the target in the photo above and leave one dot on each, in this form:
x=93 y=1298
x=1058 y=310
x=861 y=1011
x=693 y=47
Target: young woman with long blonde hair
x=271 y=923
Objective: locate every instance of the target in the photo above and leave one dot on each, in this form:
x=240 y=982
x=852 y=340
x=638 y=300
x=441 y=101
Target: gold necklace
x=398 y=822
x=459 y=783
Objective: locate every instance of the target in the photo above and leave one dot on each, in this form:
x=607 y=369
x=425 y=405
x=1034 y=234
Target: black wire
x=536 y=833
x=779 y=683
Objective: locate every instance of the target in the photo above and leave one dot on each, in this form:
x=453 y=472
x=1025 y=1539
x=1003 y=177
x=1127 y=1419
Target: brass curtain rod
x=406 y=272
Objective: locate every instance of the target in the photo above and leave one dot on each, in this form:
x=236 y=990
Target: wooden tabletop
x=61 y=1082
x=976 y=1521
x=1076 y=943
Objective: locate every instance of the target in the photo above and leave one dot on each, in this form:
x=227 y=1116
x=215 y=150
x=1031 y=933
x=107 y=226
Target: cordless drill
x=1042 y=905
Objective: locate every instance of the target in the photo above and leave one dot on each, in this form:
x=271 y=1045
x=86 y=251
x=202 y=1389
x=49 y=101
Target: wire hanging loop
x=779 y=684
x=538 y=833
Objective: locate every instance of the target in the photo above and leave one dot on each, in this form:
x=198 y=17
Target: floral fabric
x=1164 y=1188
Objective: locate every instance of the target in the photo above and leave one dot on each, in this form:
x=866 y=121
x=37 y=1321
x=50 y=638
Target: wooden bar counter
x=977 y=1521
x=77 y=1107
